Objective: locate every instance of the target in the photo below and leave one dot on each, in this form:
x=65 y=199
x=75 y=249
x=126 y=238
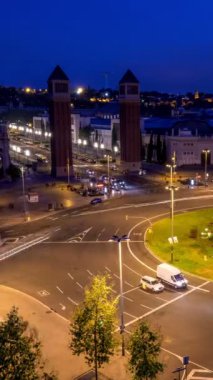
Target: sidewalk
x=53 y=332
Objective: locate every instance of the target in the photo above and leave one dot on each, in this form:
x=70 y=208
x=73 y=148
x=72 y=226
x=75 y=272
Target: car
x=151 y=283
x=95 y=201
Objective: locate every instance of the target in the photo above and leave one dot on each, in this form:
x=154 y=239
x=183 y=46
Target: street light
x=122 y=326
x=85 y=144
x=26 y=213
x=79 y=143
x=206 y=152
x=96 y=147
x=68 y=171
x=108 y=177
x=172 y=188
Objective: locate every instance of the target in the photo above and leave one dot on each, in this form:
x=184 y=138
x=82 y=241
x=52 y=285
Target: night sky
x=168 y=44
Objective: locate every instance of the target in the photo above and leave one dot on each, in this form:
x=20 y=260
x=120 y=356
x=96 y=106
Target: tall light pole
x=122 y=326
x=206 y=152
x=96 y=147
x=68 y=171
x=26 y=214
x=108 y=177
x=172 y=188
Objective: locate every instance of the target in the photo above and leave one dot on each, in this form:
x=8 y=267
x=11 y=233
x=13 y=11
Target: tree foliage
x=159 y=149
x=20 y=350
x=144 y=347
x=14 y=172
x=92 y=328
x=150 y=149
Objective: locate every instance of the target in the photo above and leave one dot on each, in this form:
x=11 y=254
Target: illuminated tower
x=196 y=95
x=130 y=135
x=60 y=124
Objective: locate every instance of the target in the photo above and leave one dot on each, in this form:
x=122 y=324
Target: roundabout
x=55 y=272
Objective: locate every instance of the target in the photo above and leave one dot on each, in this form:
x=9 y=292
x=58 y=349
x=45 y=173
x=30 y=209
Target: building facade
x=4 y=149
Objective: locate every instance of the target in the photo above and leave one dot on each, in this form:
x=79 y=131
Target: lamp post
x=122 y=326
x=115 y=148
x=79 y=143
x=26 y=216
x=84 y=144
x=68 y=171
x=108 y=177
x=172 y=188
x=206 y=152
x=96 y=147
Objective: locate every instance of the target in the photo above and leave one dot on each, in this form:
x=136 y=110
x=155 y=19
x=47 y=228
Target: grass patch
x=194 y=250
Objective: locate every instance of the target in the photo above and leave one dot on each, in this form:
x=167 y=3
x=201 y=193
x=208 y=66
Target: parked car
x=95 y=201
x=151 y=283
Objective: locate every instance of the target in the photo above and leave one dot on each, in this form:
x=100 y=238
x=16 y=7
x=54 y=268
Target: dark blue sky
x=168 y=44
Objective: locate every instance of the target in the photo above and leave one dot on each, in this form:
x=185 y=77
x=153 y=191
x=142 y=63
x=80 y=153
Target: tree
x=14 y=172
x=114 y=136
x=20 y=350
x=150 y=148
x=159 y=149
x=92 y=328
x=144 y=347
x=164 y=152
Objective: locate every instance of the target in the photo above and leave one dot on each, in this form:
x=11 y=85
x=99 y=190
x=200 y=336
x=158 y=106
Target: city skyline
x=168 y=46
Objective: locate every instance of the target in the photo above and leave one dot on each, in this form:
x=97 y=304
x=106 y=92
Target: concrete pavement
x=53 y=332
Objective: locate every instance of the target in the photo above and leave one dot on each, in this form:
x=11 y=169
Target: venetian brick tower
x=130 y=135
x=60 y=124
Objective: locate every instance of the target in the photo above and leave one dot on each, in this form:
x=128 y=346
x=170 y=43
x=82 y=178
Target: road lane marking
x=203 y=290
x=89 y=272
x=108 y=270
x=70 y=299
x=59 y=289
x=114 y=291
x=79 y=236
x=70 y=276
x=127 y=283
x=191 y=362
x=161 y=299
x=132 y=270
x=62 y=307
x=57 y=229
x=64 y=215
x=43 y=293
x=79 y=285
x=128 y=299
x=130 y=315
x=23 y=247
x=147 y=307
x=199 y=373
x=115 y=275
x=144 y=205
x=53 y=218
x=167 y=303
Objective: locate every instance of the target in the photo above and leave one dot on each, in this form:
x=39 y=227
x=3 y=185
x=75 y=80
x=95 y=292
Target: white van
x=171 y=276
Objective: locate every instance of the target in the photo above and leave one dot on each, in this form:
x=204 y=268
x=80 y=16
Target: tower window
x=122 y=89
x=61 y=87
x=132 y=89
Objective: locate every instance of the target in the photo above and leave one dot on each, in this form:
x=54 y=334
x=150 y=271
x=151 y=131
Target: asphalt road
x=77 y=246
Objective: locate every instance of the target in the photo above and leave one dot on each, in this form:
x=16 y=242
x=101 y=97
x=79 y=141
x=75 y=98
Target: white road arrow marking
x=79 y=237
